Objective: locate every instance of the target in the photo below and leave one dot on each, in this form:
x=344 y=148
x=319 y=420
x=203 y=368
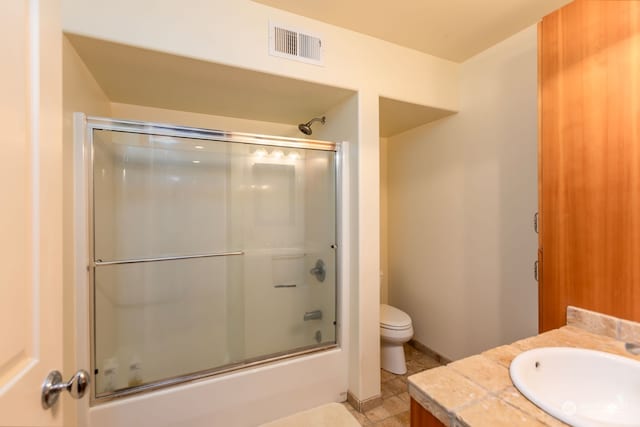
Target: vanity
x=478 y=392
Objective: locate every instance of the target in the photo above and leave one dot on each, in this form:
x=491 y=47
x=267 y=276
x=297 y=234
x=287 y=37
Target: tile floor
x=394 y=411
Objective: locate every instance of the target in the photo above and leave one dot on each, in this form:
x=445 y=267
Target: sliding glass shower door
x=210 y=251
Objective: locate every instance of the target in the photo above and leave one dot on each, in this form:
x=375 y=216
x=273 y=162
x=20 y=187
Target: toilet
x=395 y=330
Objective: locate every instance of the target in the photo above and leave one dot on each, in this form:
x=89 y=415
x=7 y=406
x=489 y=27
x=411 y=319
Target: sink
x=583 y=388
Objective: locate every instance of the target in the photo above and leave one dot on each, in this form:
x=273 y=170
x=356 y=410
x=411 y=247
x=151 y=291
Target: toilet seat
x=394 y=319
x=396 y=328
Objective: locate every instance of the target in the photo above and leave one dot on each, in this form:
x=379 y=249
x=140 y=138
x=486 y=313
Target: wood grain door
x=589 y=55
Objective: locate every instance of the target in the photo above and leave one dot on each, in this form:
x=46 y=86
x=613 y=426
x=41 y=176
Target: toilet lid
x=393 y=318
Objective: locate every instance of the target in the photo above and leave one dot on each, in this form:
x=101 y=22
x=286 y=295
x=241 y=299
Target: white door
x=30 y=209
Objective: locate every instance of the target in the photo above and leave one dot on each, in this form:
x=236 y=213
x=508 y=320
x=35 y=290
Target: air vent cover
x=293 y=44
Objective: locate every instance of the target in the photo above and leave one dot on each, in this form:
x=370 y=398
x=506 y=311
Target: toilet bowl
x=395 y=330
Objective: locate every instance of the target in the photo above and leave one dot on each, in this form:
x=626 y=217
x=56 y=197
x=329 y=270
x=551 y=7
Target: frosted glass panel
x=159 y=320
x=275 y=198
x=257 y=218
x=158 y=196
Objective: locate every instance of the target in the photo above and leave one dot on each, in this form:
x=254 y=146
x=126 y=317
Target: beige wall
x=184 y=118
x=342 y=126
x=80 y=93
x=236 y=33
x=384 y=214
x=368 y=257
x=462 y=193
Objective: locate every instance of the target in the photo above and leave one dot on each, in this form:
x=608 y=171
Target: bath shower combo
x=209 y=252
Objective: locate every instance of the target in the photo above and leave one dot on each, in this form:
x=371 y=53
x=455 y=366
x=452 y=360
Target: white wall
x=462 y=193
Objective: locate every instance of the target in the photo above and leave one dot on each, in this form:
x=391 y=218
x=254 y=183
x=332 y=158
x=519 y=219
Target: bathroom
x=477 y=210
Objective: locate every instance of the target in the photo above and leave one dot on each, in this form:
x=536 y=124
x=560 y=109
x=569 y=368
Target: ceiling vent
x=293 y=44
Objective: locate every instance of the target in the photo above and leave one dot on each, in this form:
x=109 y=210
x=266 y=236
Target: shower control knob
x=53 y=385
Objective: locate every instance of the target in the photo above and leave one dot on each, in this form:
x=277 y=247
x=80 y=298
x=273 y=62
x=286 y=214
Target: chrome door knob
x=53 y=385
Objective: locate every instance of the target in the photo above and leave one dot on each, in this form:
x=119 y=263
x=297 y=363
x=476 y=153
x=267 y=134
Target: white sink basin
x=583 y=388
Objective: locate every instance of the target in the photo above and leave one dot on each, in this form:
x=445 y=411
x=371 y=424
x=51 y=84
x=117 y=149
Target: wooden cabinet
x=589 y=165
x=420 y=417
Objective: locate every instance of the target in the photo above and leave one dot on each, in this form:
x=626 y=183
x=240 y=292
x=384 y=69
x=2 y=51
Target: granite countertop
x=477 y=391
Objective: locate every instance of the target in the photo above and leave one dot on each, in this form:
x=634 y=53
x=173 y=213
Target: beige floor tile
x=426 y=361
x=405 y=396
x=395 y=405
x=359 y=416
x=411 y=352
x=414 y=366
x=396 y=386
x=367 y=423
x=422 y=362
x=394 y=390
x=386 y=392
x=386 y=376
x=389 y=422
x=404 y=418
x=378 y=413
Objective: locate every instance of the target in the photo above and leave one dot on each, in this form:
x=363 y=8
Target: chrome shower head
x=306 y=127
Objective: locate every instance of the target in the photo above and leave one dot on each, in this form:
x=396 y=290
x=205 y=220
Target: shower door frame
x=83 y=188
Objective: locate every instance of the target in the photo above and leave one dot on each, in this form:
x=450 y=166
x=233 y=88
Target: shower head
x=306 y=127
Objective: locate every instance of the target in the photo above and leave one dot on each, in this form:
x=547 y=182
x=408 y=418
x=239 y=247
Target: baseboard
x=432 y=354
x=364 y=405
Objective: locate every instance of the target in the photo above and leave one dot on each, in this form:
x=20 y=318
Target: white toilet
x=395 y=330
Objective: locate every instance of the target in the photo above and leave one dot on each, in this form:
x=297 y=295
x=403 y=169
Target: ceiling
x=450 y=29
x=398 y=116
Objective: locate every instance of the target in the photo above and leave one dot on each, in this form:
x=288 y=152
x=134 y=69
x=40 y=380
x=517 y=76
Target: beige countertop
x=477 y=391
